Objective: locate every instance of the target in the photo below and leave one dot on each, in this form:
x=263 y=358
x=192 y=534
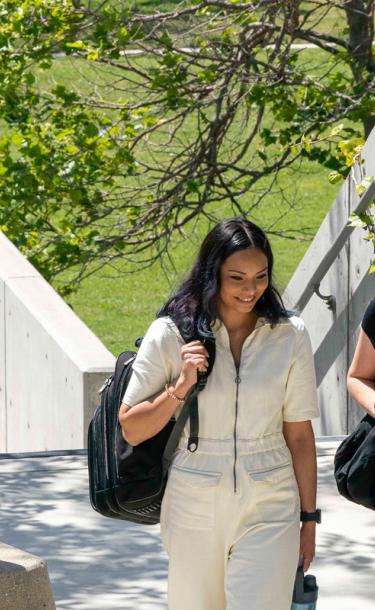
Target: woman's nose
x=249 y=288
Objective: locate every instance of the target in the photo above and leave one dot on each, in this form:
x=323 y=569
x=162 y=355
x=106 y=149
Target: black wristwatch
x=315 y=516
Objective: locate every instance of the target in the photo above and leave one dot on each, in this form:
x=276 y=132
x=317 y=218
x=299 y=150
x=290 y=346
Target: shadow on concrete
x=93 y=562
x=336 y=338
x=345 y=559
x=97 y=563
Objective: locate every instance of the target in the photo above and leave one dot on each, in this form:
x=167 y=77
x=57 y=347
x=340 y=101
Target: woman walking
x=230 y=517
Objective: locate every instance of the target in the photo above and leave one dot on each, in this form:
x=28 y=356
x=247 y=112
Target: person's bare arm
x=299 y=437
x=144 y=420
x=361 y=374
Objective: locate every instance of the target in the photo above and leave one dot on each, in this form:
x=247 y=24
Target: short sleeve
x=368 y=322
x=301 y=397
x=157 y=363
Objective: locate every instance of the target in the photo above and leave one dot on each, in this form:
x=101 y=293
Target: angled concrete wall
x=24 y=581
x=51 y=364
x=344 y=252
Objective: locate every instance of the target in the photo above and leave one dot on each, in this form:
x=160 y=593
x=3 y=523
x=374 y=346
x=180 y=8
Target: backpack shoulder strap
x=178 y=428
x=190 y=408
x=201 y=384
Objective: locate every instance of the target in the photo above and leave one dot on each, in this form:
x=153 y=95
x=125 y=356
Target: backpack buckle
x=193 y=443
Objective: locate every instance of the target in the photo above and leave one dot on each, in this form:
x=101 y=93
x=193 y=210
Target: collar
x=221 y=333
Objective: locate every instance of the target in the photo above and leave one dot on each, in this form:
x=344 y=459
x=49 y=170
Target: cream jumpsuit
x=230 y=514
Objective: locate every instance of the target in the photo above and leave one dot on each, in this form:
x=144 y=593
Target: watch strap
x=314 y=516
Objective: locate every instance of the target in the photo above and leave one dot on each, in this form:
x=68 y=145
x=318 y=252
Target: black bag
x=128 y=482
x=354 y=464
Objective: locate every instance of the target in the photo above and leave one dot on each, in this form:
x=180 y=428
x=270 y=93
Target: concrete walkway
x=101 y=564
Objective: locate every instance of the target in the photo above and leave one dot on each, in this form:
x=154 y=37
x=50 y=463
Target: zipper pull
x=237 y=379
x=107 y=383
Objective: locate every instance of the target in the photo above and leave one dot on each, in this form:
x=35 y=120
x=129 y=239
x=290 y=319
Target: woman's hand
x=307 y=543
x=194 y=358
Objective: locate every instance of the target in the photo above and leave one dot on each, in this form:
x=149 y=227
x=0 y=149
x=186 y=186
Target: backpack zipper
x=107 y=383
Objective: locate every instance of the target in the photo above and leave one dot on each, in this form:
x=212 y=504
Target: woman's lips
x=246 y=300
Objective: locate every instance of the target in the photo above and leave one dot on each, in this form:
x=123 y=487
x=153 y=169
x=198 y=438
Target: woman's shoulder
x=163 y=328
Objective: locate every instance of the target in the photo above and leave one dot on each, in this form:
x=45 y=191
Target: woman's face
x=243 y=280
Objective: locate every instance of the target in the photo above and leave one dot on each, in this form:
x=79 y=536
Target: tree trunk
x=360 y=18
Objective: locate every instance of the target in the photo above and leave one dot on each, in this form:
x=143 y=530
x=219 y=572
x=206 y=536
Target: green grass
x=322 y=18
x=118 y=308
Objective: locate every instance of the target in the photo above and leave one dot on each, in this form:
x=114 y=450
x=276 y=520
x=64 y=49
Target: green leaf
x=78 y=44
x=336 y=130
x=92 y=55
x=123 y=35
x=17 y=139
x=334 y=177
x=166 y=40
x=192 y=186
x=355 y=221
x=91 y=130
x=30 y=78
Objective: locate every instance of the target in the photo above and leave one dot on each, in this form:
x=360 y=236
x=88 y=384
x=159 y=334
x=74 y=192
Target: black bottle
x=305 y=592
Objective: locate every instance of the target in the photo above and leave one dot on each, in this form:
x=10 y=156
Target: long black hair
x=193 y=307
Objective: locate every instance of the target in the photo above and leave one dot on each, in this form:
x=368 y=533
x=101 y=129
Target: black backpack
x=354 y=464
x=128 y=482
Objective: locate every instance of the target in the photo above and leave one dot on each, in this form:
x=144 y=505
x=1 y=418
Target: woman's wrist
x=179 y=388
x=308 y=525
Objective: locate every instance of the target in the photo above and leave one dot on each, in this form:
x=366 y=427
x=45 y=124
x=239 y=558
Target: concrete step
x=24 y=581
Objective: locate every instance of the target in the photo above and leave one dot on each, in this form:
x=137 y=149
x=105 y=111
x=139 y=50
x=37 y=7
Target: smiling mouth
x=249 y=300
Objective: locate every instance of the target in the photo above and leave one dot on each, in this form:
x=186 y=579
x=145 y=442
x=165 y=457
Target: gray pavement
x=101 y=564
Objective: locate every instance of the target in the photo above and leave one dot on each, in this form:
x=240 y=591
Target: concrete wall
x=51 y=364
x=344 y=252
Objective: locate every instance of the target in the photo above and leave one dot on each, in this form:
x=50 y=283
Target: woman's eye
x=238 y=278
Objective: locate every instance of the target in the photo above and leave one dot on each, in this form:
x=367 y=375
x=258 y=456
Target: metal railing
x=331 y=288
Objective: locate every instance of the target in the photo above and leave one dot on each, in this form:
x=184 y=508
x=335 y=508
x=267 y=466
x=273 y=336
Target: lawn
x=320 y=16
x=118 y=306
x=119 y=303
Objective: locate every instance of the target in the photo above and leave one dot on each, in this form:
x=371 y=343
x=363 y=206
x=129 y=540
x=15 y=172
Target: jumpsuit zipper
x=238 y=381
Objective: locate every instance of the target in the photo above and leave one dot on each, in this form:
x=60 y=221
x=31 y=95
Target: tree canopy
x=120 y=125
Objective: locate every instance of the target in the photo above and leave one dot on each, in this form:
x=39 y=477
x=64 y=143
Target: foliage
x=219 y=100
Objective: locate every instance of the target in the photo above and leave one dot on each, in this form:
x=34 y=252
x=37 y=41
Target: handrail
x=330 y=256
x=333 y=233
